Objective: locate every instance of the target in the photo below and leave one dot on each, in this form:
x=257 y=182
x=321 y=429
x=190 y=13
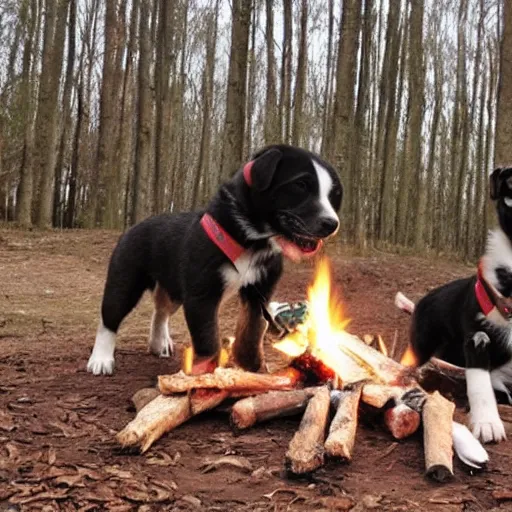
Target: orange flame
x=409 y=358
x=324 y=330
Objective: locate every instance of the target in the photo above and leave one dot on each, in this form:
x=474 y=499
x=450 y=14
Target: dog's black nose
x=329 y=226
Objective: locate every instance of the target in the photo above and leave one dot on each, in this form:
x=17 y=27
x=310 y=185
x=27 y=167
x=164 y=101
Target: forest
x=111 y=111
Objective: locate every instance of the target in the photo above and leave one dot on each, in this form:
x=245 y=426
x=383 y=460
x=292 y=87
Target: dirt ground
x=57 y=422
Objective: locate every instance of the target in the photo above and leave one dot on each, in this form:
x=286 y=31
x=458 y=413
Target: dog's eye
x=301 y=185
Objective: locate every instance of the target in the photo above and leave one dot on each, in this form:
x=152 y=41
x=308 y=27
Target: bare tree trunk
x=359 y=163
x=286 y=72
x=99 y=211
x=58 y=206
x=328 y=82
x=387 y=123
x=300 y=83
x=232 y=147
x=342 y=122
x=24 y=199
x=415 y=118
x=417 y=71
x=48 y=110
x=272 y=132
x=203 y=166
x=140 y=175
x=164 y=63
x=251 y=83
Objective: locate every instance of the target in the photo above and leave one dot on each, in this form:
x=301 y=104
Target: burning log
x=161 y=415
x=306 y=450
x=437 y=437
x=342 y=432
x=274 y=404
x=230 y=379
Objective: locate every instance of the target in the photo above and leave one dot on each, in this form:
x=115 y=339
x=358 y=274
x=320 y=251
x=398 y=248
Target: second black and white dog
x=284 y=201
x=468 y=322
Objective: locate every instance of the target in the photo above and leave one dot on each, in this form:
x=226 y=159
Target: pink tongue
x=293 y=252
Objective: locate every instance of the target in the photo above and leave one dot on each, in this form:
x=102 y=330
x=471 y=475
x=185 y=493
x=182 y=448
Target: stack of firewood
x=329 y=406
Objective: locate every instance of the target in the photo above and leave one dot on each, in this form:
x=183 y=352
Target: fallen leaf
x=66 y=430
x=163 y=459
x=89 y=473
x=191 y=500
x=52 y=455
x=169 y=485
x=238 y=462
x=47 y=495
x=24 y=490
x=140 y=493
x=369 y=502
x=69 y=481
x=335 y=504
x=120 y=473
x=13 y=452
x=6 y=422
x=287 y=490
x=101 y=493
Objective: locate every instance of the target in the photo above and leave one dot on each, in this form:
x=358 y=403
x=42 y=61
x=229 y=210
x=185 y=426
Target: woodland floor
x=57 y=422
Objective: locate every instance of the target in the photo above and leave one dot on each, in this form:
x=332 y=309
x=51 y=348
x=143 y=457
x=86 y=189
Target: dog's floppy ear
x=258 y=173
x=495 y=183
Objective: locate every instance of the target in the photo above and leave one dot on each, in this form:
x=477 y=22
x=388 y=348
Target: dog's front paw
x=100 y=365
x=488 y=428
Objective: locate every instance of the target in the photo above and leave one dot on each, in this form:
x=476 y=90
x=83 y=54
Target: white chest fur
x=250 y=269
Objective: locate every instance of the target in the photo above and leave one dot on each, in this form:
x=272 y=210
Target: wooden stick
x=229 y=379
x=378 y=395
x=342 y=432
x=161 y=415
x=306 y=450
x=274 y=404
x=437 y=437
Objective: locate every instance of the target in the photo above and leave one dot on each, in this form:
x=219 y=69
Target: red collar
x=489 y=300
x=232 y=249
x=484 y=301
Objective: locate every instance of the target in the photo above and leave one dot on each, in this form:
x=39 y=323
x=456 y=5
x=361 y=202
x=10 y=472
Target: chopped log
x=306 y=450
x=402 y=421
x=143 y=396
x=161 y=415
x=155 y=419
x=437 y=436
x=230 y=379
x=274 y=404
x=342 y=432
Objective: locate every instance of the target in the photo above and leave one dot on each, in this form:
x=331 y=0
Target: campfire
x=330 y=377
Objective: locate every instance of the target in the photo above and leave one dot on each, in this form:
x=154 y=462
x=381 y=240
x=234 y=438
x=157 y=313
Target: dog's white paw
x=101 y=361
x=100 y=364
x=161 y=346
x=488 y=428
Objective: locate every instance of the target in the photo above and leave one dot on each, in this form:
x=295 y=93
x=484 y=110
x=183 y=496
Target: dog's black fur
x=448 y=321
x=172 y=255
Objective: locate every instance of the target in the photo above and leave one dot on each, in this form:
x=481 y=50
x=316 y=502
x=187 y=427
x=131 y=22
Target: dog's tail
x=403 y=303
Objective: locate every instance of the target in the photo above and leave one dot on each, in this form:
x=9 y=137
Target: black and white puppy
x=468 y=322
x=284 y=201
